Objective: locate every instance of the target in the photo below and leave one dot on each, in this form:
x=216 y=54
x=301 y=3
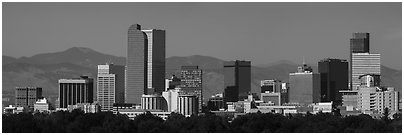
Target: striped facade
x=73 y=91
x=363 y=63
x=153 y=102
x=187 y=105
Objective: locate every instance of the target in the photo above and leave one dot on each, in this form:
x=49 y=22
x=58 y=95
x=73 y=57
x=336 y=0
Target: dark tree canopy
x=106 y=122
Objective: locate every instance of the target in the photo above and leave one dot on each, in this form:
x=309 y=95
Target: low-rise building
x=41 y=105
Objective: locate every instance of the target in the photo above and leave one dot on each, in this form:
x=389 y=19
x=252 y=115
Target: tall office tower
x=363 y=63
x=237 y=80
x=271 y=86
x=110 y=85
x=156 y=60
x=145 y=63
x=304 y=86
x=361 y=60
x=76 y=90
x=27 y=96
x=191 y=83
x=359 y=43
x=136 y=65
x=334 y=77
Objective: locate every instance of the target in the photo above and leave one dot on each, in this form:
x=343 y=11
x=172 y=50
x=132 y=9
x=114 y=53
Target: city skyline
x=194 y=31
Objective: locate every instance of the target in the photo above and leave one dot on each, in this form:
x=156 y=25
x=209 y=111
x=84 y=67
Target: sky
x=260 y=32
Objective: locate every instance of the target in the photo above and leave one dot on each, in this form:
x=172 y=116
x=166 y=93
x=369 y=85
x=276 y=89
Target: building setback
x=73 y=91
x=156 y=63
x=191 y=83
x=27 y=96
x=145 y=63
x=110 y=85
x=237 y=80
x=363 y=63
x=334 y=77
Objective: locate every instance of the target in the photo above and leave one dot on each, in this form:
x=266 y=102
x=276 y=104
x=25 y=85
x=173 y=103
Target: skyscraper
x=76 y=90
x=363 y=63
x=156 y=64
x=304 y=86
x=359 y=43
x=191 y=83
x=361 y=60
x=110 y=85
x=334 y=77
x=27 y=96
x=237 y=80
x=136 y=65
x=145 y=63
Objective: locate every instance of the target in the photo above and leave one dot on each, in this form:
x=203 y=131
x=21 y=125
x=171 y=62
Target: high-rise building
x=237 y=80
x=363 y=63
x=136 y=65
x=156 y=60
x=188 y=105
x=191 y=83
x=145 y=63
x=27 y=96
x=304 y=86
x=76 y=90
x=359 y=43
x=334 y=77
x=361 y=60
x=110 y=85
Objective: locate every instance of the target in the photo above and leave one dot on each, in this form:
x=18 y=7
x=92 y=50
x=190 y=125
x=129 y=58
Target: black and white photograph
x=201 y=67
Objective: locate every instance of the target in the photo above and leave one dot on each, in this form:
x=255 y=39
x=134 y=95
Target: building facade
x=237 y=80
x=171 y=97
x=191 y=83
x=334 y=77
x=145 y=63
x=110 y=85
x=27 y=96
x=271 y=86
x=156 y=60
x=370 y=80
x=153 y=102
x=136 y=65
x=41 y=105
x=188 y=105
x=76 y=90
x=363 y=63
x=304 y=86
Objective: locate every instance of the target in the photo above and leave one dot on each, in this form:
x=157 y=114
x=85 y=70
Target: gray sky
x=260 y=32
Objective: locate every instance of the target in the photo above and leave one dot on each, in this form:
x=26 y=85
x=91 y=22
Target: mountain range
x=44 y=70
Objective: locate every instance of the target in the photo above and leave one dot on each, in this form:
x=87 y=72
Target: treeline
x=79 y=122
